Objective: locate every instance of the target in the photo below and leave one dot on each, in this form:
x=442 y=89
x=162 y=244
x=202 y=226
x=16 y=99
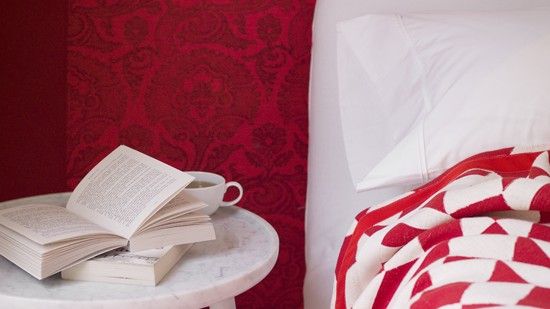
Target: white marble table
x=210 y=274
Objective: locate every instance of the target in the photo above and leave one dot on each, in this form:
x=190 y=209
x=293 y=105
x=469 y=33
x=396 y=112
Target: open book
x=128 y=199
x=120 y=266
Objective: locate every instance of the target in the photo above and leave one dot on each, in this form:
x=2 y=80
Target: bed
x=333 y=198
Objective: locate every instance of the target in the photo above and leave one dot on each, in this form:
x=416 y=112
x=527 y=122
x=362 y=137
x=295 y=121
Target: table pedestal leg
x=224 y=304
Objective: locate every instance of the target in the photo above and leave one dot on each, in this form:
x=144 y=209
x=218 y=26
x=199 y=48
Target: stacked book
x=130 y=203
x=146 y=267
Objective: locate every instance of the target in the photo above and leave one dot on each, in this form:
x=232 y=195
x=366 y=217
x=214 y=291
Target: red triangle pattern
x=374 y=229
x=540 y=231
x=527 y=251
x=389 y=284
x=495 y=203
x=438 y=252
x=400 y=235
x=541 y=199
x=495 y=228
x=539 y=297
x=423 y=282
x=536 y=172
x=503 y=273
x=439 y=234
x=435 y=240
x=437 y=202
x=544 y=217
x=506 y=181
x=441 y=296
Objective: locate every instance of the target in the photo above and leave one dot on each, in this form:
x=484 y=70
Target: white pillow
x=432 y=90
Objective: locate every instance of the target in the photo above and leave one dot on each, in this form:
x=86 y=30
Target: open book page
x=181 y=205
x=46 y=224
x=125 y=189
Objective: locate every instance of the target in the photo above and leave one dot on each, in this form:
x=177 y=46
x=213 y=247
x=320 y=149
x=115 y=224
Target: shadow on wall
x=219 y=86
x=33 y=92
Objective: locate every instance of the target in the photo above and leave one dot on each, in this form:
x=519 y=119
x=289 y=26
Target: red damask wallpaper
x=217 y=85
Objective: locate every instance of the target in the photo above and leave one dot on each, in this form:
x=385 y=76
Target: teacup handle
x=236 y=200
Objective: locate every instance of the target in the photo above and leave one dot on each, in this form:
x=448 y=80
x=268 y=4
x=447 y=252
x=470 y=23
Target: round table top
x=244 y=252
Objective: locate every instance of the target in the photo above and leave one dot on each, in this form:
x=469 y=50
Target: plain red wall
x=33 y=97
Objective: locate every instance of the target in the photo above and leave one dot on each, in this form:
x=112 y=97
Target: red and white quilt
x=477 y=236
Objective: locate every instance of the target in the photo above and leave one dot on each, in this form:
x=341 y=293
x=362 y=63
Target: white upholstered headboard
x=332 y=201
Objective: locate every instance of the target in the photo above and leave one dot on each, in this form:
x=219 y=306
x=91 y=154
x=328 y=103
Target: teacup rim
x=220 y=177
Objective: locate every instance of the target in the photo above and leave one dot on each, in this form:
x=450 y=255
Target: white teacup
x=210 y=188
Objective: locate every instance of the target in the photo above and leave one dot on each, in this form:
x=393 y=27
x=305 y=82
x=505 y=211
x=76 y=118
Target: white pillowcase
x=431 y=90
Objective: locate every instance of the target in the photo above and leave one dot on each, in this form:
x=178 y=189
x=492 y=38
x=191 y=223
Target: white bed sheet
x=332 y=201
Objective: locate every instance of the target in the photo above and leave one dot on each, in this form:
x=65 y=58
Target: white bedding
x=433 y=81
x=332 y=200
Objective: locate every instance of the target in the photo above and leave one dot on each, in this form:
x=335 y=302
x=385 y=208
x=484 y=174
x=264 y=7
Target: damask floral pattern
x=217 y=85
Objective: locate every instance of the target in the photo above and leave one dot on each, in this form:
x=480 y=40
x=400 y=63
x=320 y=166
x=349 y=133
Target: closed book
x=146 y=267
